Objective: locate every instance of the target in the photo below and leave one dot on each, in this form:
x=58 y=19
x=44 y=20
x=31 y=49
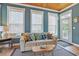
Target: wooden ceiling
x=54 y=6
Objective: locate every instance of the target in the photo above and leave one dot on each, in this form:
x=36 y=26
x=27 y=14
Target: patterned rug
x=63 y=43
x=57 y=52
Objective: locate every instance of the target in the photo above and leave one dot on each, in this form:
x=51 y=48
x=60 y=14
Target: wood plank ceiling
x=54 y=6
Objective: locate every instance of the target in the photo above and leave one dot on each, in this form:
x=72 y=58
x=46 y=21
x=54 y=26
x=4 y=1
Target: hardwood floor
x=73 y=49
x=16 y=46
x=6 y=51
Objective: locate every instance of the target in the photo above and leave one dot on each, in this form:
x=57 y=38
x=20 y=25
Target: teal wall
x=75 y=35
x=4 y=14
x=27 y=20
x=45 y=21
x=59 y=26
x=3 y=17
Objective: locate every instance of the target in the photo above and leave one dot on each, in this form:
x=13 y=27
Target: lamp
x=1 y=28
x=4 y=30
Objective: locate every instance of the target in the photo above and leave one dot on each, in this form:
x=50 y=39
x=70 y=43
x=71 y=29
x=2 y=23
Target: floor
x=6 y=51
x=62 y=49
x=73 y=49
x=69 y=47
x=63 y=43
x=59 y=51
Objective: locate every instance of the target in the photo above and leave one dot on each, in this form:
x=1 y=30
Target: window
x=66 y=24
x=52 y=23
x=36 y=21
x=16 y=19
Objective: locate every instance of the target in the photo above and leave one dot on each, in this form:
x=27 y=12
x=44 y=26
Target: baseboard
x=71 y=43
x=75 y=44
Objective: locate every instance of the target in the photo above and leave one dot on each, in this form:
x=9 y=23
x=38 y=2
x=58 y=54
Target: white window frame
x=36 y=11
x=56 y=26
x=70 y=24
x=15 y=8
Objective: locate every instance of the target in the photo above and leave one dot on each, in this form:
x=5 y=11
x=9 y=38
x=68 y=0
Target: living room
x=39 y=29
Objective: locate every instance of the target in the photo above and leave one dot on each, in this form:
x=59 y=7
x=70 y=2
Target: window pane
x=52 y=29
x=16 y=28
x=16 y=20
x=36 y=21
x=52 y=23
x=16 y=17
x=52 y=20
x=36 y=27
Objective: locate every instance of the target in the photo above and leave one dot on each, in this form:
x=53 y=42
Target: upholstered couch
x=27 y=46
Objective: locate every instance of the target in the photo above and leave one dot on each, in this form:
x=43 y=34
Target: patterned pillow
x=37 y=36
x=49 y=35
x=44 y=36
x=25 y=37
x=32 y=36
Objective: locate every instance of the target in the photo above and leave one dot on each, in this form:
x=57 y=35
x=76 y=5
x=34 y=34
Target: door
x=66 y=26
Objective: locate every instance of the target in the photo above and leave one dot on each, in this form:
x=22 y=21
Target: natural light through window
x=52 y=23
x=36 y=21
x=16 y=20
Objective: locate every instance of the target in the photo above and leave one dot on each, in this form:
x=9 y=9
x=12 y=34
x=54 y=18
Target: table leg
x=10 y=44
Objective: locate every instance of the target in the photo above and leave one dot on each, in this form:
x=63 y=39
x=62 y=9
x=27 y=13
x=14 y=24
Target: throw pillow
x=43 y=36
x=49 y=35
x=37 y=36
x=32 y=37
x=25 y=36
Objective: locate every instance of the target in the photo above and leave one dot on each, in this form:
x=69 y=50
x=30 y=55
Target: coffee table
x=43 y=51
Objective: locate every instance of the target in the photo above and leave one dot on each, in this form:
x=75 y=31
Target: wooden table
x=42 y=51
x=7 y=39
x=2 y=40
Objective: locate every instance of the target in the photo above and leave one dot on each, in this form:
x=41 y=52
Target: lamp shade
x=1 y=28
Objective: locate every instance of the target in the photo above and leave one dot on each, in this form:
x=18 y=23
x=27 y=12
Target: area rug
x=63 y=43
x=5 y=51
x=57 y=52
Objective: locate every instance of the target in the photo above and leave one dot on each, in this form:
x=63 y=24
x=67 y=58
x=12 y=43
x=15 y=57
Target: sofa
x=42 y=39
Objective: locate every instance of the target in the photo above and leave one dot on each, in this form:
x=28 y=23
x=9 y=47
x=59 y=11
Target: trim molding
x=68 y=7
x=45 y=8
x=75 y=44
x=35 y=7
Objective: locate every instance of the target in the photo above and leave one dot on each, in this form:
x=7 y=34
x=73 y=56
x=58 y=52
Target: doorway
x=66 y=26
